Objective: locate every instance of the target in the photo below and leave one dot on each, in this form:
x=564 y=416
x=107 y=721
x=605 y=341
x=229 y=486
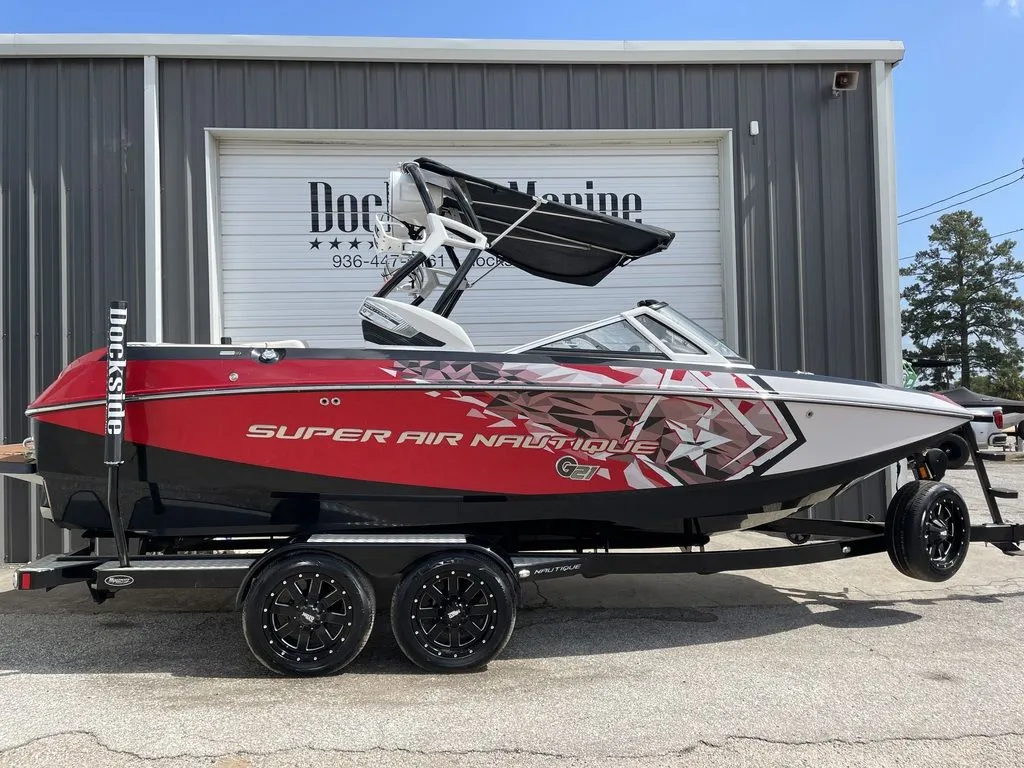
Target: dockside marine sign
x=341 y=222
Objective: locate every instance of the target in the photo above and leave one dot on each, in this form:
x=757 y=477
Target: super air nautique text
x=420 y=437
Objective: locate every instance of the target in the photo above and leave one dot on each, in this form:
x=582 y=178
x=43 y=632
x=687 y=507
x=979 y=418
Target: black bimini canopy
x=555 y=241
x=968 y=399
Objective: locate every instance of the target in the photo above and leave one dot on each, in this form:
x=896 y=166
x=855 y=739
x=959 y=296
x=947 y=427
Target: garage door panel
x=242 y=151
x=275 y=284
x=499 y=281
x=241 y=195
x=470 y=148
x=553 y=167
x=276 y=223
x=273 y=248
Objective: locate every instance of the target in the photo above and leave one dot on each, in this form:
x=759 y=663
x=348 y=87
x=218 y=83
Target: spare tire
x=956 y=449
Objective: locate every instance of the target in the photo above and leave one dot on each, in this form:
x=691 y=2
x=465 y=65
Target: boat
x=445 y=477
x=642 y=423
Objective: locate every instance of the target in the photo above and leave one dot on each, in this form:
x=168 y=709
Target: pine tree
x=964 y=305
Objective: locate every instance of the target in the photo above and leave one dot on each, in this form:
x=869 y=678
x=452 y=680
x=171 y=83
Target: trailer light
x=25 y=580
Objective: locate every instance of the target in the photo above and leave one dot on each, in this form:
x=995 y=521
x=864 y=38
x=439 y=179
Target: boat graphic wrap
x=688 y=439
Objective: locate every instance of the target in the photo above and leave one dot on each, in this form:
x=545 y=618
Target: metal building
x=226 y=186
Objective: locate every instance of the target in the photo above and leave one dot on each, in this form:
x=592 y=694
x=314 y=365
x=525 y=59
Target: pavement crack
x=870 y=648
x=546 y=603
x=723 y=743
x=87 y=734
x=858 y=742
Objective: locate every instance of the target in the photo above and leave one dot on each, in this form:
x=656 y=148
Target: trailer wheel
x=309 y=614
x=455 y=611
x=956 y=449
x=927 y=530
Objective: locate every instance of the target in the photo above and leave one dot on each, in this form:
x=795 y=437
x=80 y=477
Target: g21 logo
x=571 y=469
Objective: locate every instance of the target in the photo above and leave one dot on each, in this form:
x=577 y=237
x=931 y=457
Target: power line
x=993 y=237
x=961 y=192
x=1019 y=229
x=954 y=205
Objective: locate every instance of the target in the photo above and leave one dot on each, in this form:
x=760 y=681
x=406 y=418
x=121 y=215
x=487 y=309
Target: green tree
x=1007 y=382
x=964 y=304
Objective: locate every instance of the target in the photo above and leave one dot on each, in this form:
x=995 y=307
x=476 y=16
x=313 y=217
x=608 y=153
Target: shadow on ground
x=196 y=634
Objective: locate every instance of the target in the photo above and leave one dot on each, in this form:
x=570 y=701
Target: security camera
x=844 y=80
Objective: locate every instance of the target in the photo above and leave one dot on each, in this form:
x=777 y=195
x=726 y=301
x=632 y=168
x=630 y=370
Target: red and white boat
x=639 y=423
x=310 y=479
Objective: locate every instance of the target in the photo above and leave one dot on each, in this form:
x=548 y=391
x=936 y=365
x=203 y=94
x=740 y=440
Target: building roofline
x=323 y=48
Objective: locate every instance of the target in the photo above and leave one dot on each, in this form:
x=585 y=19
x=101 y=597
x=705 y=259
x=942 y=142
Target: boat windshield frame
x=701 y=345
x=694 y=329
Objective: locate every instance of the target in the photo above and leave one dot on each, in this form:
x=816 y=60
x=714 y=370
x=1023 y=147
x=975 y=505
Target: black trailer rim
x=455 y=614
x=308 y=617
x=944 y=533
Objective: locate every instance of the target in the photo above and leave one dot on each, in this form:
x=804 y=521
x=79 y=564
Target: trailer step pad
x=1003 y=493
x=992 y=455
x=1009 y=548
x=183 y=564
x=178 y=572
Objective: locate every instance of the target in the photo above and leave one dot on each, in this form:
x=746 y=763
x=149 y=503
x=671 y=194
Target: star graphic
x=694 y=447
x=314 y=244
x=354 y=244
x=334 y=244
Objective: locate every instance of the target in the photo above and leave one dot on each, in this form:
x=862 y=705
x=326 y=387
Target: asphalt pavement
x=840 y=664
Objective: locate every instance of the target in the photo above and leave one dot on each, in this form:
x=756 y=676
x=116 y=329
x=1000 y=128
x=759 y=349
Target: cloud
x=1013 y=6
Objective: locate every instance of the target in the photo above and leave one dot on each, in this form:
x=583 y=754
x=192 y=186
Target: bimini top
x=964 y=397
x=548 y=239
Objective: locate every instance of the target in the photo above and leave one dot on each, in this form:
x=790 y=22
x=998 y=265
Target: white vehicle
x=991 y=417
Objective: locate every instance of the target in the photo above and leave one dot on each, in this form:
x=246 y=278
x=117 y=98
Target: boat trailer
x=309 y=601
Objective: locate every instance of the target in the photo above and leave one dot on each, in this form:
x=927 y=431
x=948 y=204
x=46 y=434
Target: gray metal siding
x=804 y=187
x=807 y=261
x=71 y=238
x=72 y=194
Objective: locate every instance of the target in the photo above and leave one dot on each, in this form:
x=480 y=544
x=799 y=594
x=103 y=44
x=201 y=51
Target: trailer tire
x=308 y=614
x=453 y=611
x=927 y=530
x=956 y=449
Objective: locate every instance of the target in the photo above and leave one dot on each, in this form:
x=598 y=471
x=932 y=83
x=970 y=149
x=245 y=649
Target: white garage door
x=295 y=255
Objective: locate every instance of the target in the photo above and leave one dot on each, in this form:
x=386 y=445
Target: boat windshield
x=699 y=333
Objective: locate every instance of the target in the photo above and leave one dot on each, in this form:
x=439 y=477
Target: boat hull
x=530 y=447
x=165 y=493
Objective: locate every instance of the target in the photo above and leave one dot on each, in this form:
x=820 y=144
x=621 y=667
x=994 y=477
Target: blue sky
x=959 y=97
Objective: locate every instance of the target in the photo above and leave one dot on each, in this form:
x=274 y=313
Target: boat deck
x=16 y=459
x=12 y=450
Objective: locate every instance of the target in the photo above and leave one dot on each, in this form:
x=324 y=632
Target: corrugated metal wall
x=72 y=205
x=805 y=212
x=71 y=238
